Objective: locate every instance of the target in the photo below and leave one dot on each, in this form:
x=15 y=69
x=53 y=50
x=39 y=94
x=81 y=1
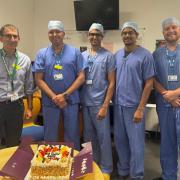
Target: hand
x=169 y=95
x=102 y=112
x=62 y=105
x=176 y=102
x=28 y=113
x=138 y=115
x=60 y=100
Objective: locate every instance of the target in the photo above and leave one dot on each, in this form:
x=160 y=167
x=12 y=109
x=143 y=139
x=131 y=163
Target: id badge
x=172 y=78
x=13 y=96
x=58 y=77
x=89 y=82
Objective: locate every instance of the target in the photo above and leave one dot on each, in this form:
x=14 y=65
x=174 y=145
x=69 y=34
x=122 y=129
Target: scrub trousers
x=71 y=124
x=169 y=120
x=98 y=132
x=129 y=141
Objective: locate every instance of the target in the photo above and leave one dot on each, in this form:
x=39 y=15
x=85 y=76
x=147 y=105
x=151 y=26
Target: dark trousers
x=11 y=121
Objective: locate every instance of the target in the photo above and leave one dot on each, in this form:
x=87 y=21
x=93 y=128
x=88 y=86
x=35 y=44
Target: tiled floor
x=152 y=164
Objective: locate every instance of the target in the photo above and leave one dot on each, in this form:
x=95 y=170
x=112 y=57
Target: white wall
x=20 y=13
x=58 y=10
x=149 y=14
x=32 y=16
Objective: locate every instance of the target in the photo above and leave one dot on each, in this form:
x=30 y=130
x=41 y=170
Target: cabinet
x=152 y=123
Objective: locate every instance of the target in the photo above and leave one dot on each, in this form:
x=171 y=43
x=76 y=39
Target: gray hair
x=8 y=26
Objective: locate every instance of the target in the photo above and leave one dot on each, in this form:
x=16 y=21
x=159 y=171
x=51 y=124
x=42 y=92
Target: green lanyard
x=11 y=75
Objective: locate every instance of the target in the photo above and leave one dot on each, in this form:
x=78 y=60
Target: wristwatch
x=65 y=95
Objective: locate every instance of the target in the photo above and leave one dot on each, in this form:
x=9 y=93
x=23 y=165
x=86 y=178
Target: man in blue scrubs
x=167 y=85
x=134 y=81
x=95 y=98
x=59 y=73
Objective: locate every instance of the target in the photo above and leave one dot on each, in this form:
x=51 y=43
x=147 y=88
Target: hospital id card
x=89 y=82
x=58 y=77
x=13 y=96
x=172 y=78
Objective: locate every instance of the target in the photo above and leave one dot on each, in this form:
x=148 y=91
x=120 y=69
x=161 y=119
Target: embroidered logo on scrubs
x=17 y=67
x=57 y=66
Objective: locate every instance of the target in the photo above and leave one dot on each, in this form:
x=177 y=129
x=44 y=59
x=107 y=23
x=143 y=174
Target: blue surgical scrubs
x=169 y=117
x=131 y=73
x=71 y=62
x=93 y=94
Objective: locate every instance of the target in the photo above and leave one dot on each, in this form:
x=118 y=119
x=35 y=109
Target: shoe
x=158 y=178
x=106 y=176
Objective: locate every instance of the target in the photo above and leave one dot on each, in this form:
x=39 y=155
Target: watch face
x=65 y=95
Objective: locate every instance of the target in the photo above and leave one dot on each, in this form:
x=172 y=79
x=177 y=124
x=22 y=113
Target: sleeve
x=79 y=61
x=155 y=64
x=148 y=66
x=110 y=63
x=115 y=60
x=85 y=60
x=39 y=63
x=29 y=81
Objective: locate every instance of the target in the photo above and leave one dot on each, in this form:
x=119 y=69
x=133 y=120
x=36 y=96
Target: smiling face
x=56 y=37
x=129 y=36
x=171 y=33
x=10 y=38
x=95 y=37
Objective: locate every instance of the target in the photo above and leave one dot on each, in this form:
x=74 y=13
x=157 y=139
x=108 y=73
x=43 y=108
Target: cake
x=51 y=162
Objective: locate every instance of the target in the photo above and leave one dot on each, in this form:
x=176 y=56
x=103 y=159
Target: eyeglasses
x=9 y=36
x=95 y=34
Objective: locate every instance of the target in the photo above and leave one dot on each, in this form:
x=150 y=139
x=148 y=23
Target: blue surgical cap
x=130 y=24
x=169 y=21
x=55 y=25
x=97 y=26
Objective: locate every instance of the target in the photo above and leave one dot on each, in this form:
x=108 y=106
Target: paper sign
x=18 y=165
x=82 y=162
x=82 y=165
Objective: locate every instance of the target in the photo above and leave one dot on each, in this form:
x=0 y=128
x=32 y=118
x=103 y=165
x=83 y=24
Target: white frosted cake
x=51 y=162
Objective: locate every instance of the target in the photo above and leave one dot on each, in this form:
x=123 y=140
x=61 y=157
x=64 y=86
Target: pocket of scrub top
x=102 y=64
